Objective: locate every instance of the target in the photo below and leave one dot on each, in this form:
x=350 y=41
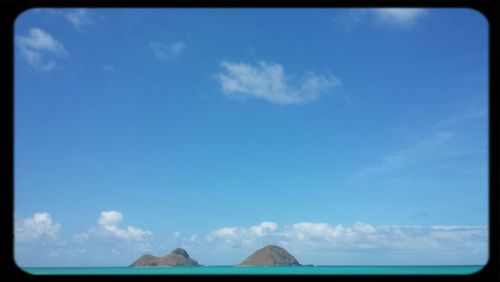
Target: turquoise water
x=221 y=270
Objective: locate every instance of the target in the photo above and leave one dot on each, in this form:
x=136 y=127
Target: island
x=270 y=255
x=178 y=257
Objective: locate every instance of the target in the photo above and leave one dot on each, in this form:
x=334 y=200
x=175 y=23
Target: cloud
x=310 y=242
x=399 y=16
x=443 y=143
x=263 y=228
x=110 y=218
x=166 y=52
x=36 y=46
x=40 y=226
x=359 y=239
x=351 y=19
x=257 y=230
x=38 y=243
x=80 y=237
x=432 y=148
x=78 y=18
x=267 y=81
x=359 y=235
x=108 y=226
x=240 y=236
x=465 y=114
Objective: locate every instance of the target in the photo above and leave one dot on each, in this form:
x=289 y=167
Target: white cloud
x=399 y=16
x=110 y=218
x=36 y=46
x=267 y=81
x=41 y=40
x=309 y=242
x=108 y=226
x=166 y=52
x=263 y=228
x=359 y=239
x=78 y=18
x=40 y=226
x=240 y=236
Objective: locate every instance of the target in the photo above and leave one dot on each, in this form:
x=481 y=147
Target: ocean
x=231 y=270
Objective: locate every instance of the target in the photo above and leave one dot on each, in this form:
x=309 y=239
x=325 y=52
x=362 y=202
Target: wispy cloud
x=396 y=17
x=166 y=52
x=464 y=114
x=267 y=81
x=40 y=226
x=351 y=19
x=438 y=149
x=78 y=18
x=38 y=45
x=404 y=17
x=426 y=150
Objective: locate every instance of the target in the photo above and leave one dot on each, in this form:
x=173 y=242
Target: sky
x=346 y=136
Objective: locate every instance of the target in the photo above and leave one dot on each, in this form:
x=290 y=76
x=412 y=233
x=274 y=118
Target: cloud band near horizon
x=314 y=242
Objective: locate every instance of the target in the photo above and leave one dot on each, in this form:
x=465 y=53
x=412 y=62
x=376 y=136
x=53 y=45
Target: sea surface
x=232 y=270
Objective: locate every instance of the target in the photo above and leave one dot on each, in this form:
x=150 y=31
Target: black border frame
x=10 y=9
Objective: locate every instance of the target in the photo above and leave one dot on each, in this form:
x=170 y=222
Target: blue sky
x=348 y=136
